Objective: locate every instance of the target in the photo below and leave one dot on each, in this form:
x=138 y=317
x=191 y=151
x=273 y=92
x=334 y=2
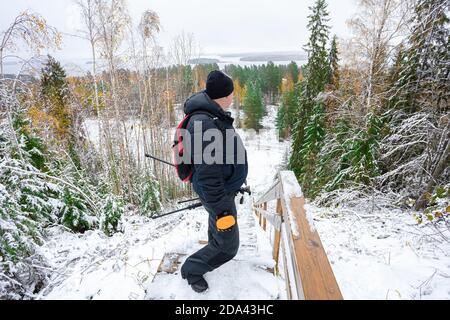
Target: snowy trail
x=92 y=266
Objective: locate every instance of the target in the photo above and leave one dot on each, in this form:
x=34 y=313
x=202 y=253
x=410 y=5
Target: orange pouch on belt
x=225 y=223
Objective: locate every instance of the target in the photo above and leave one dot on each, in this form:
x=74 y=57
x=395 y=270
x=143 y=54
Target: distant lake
x=74 y=67
x=77 y=67
x=249 y=60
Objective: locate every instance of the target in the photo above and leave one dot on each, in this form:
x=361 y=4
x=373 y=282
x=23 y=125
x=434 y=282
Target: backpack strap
x=216 y=120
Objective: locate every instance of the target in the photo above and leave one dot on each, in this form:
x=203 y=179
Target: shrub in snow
x=112 y=212
x=438 y=206
x=32 y=147
x=17 y=230
x=149 y=199
x=25 y=208
x=75 y=213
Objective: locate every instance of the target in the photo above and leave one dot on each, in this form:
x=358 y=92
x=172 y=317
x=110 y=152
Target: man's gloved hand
x=225 y=222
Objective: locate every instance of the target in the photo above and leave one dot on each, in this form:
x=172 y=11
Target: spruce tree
x=333 y=61
x=287 y=112
x=358 y=161
x=332 y=150
x=293 y=71
x=272 y=80
x=309 y=128
x=396 y=68
x=253 y=106
x=396 y=101
x=317 y=68
x=55 y=91
x=187 y=81
x=149 y=194
x=424 y=79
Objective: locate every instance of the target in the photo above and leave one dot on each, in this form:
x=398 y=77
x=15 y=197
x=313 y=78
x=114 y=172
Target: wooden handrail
x=308 y=273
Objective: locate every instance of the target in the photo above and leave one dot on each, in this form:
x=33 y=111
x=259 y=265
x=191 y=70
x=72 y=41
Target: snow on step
x=236 y=280
x=247 y=232
x=245 y=277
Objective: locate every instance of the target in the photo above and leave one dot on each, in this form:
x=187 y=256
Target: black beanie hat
x=219 y=85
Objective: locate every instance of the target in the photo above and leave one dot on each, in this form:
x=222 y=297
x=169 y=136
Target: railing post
x=260 y=216
x=276 y=242
x=265 y=220
x=285 y=265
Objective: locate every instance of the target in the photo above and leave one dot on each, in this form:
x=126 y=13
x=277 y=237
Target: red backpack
x=184 y=170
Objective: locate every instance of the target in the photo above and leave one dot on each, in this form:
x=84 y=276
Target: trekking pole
x=162 y=161
x=198 y=205
x=186 y=201
x=192 y=207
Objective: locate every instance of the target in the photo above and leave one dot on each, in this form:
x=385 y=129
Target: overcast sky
x=219 y=26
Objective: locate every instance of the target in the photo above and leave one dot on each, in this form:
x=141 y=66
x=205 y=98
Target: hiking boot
x=200 y=286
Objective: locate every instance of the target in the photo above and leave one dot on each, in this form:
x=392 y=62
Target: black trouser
x=221 y=248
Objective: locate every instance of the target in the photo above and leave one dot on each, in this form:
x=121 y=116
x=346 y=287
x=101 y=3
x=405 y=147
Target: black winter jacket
x=212 y=182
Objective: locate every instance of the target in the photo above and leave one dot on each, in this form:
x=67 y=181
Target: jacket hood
x=202 y=102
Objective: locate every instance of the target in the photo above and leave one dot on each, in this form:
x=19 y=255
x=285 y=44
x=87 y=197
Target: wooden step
x=170 y=263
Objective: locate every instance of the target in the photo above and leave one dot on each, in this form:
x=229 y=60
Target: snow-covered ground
x=375 y=254
x=384 y=254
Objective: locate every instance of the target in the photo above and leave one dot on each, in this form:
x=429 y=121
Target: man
x=217 y=183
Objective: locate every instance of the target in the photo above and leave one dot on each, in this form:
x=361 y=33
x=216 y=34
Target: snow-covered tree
x=294 y=71
x=417 y=151
x=333 y=60
x=309 y=129
x=112 y=214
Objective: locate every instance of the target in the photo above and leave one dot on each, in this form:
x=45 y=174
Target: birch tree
x=90 y=19
x=181 y=51
x=113 y=20
x=28 y=30
x=376 y=27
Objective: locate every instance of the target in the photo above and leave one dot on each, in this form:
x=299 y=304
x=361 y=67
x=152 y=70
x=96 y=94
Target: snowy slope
x=384 y=254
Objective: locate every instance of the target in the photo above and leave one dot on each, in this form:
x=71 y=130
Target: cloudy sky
x=219 y=26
